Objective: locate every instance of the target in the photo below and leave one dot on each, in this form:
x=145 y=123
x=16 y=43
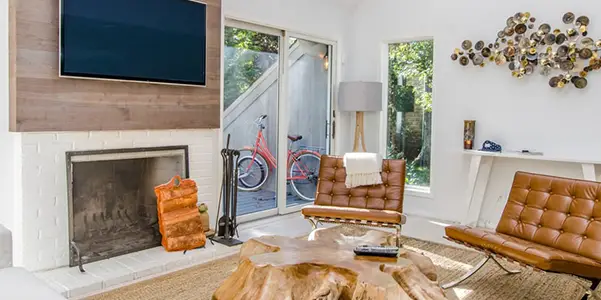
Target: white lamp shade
x=360 y=96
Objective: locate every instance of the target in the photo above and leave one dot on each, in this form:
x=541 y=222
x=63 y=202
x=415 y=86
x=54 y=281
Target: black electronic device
x=383 y=251
x=163 y=41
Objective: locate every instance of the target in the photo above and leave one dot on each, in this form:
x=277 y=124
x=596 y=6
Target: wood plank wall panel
x=41 y=101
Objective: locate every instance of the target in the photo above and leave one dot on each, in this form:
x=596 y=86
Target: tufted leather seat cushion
x=351 y=213
x=380 y=203
x=548 y=222
x=533 y=254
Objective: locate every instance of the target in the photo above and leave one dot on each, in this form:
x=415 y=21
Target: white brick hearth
x=122 y=270
x=114 y=272
x=41 y=230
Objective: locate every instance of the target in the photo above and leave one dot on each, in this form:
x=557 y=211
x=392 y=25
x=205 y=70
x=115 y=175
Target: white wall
x=7 y=158
x=517 y=114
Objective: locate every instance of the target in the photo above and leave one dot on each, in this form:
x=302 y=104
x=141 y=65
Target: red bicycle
x=256 y=162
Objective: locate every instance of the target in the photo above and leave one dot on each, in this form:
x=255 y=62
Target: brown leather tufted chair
x=378 y=205
x=549 y=223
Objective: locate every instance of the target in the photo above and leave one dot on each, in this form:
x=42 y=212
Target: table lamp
x=359 y=96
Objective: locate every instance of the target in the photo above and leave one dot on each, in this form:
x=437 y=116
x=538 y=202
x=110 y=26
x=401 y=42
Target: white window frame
x=412 y=190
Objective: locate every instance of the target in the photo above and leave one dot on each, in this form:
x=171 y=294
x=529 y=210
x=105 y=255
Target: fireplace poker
x=226 y=225
x=75 y=249
x=227 y=187
x=235 y=188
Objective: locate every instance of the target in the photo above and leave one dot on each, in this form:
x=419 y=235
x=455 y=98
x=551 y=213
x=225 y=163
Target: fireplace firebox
x=112 y=205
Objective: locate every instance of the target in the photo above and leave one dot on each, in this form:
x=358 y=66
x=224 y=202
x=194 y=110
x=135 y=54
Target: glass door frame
x=270 y=31
x=283 y=114
x=282 y=118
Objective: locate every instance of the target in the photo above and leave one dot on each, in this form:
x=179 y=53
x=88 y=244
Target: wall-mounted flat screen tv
x=162 y=41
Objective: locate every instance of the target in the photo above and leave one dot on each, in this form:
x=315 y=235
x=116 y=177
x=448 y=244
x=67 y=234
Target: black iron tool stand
x=226 y=225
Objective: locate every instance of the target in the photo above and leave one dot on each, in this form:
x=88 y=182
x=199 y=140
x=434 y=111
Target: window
x=409 y=124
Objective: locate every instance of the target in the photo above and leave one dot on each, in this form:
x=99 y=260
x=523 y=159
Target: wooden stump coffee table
x=325 y=267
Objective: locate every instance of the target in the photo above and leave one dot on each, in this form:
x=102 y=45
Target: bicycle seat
x=295 y=138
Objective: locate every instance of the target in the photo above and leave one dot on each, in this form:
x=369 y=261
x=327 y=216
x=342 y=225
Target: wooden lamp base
x=359 y=133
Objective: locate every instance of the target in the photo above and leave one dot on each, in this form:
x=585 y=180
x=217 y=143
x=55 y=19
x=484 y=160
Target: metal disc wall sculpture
x=566 y=56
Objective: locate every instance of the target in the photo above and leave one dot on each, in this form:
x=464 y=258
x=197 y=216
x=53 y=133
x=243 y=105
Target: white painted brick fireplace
x=41 y=230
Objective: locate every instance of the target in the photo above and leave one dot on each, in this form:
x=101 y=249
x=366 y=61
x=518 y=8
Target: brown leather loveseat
x=549 y=223
x=377 y=205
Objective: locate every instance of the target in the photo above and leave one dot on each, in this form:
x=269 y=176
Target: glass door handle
x=334 y=129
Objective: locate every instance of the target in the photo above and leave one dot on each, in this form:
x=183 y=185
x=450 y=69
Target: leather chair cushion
x=349 y=213
x=331 y=189
x=531 y=253
x=560 y=213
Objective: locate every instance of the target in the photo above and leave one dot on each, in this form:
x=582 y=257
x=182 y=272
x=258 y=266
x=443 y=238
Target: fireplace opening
x=112 y=205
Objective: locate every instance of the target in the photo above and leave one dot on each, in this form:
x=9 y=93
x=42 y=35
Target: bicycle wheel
x=304 y=172
x=252 y=173
x=247 y=152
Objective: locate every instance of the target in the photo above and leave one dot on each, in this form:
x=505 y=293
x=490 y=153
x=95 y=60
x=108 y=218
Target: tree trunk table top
x=324 y=267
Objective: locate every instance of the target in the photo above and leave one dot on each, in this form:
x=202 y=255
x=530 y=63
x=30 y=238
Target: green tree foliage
x=414 y=62
x=403 y=98
x=247 y=62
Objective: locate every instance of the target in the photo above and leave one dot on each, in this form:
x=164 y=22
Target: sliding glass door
x=308 y=105
x=250 y=115
x=277 y=114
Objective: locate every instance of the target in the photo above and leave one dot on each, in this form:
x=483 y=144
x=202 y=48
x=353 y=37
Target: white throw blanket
x=362 y=169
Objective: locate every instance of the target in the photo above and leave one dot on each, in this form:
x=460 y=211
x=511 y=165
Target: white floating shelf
x=530 y=156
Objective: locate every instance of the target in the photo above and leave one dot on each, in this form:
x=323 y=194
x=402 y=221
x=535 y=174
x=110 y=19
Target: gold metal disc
x=500 y=60
x=585 y=53
x=580 y=82
x=587 y=42
x=466 y=45
x=485 y=52
x=560 y=39
x=521 y=28
x=479 y=45
x=545 y=28
x=568 y=18
x=583 y=20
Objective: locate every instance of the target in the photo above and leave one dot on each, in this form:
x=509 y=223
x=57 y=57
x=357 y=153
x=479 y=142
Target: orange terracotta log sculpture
x=179 y=220
x=274 y=268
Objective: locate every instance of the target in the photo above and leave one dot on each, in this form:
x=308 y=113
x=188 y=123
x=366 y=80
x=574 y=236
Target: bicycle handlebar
x=260 y=119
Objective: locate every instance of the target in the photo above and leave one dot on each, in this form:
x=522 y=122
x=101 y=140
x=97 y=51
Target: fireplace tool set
x=226 y=225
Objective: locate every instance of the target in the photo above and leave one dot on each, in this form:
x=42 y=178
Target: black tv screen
x=141 y=40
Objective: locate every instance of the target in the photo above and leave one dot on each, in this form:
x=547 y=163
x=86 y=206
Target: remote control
x=384 y=251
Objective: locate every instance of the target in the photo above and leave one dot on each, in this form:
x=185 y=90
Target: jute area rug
x=489 y=283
